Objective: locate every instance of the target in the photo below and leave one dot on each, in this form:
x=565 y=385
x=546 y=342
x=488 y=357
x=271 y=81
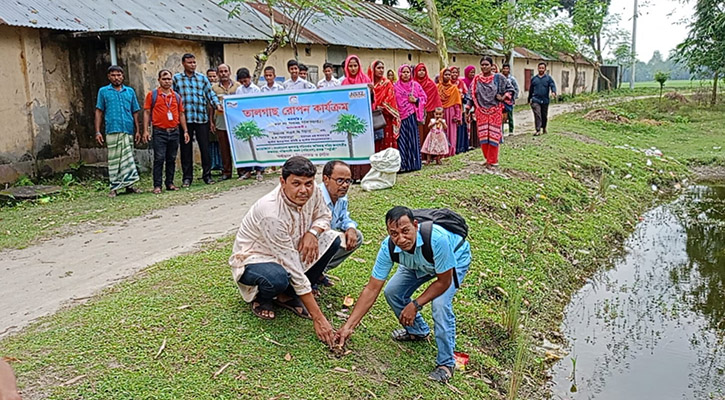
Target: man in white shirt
x=283 y=244
x=245 y=79
x=272 y=85
x=328 y=80
x=295 y=82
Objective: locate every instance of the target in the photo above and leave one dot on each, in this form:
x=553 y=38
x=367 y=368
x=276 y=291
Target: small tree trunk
x=349 y=144
x=576 y=76
x=263 y=56
x=715 y=78
x=251 y=147
x=440 y=39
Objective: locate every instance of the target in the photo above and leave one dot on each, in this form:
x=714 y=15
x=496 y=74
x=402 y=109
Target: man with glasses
x=336 y=179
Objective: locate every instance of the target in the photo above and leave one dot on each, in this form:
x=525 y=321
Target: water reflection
x=652 y=327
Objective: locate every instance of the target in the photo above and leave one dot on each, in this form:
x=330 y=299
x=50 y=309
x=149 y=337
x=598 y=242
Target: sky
x=658 y=27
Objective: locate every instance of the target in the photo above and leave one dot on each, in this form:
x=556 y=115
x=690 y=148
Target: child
x=436 y=143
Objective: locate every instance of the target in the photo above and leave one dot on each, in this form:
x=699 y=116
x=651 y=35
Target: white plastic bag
x=384 y=167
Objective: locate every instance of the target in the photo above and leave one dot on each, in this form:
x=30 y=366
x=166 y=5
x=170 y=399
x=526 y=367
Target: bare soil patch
x=582 y=138
x=602 y=114
x=710 y=173
x=676 y=97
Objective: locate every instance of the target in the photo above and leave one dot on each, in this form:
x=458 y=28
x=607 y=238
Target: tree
x=593 y=22
x=287 y=19
x=248 y=130
x=560 y=38
x=623 y=57
x=661 y=77
x=704 y=47
x=481 y=25
x=438 y=35
x=350 y=125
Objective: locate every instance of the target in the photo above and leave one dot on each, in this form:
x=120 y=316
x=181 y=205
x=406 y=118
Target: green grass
x=678 y=84
x=23 y=223
x=571 y=197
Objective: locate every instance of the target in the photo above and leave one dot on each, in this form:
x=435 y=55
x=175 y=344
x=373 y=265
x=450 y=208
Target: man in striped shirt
x=195 y=90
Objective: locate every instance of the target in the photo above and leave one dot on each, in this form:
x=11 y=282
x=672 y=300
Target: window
x=308 y=51
x=313 y=73
x=581 y=79
x=564 y=79
x=528 y=73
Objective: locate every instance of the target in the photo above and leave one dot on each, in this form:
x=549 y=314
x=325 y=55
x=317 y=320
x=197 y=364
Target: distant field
x=671 y=84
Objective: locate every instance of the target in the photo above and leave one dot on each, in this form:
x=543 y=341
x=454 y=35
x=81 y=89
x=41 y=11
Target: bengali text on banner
x=322 y=125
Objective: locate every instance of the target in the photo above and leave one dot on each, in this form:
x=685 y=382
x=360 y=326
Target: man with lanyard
x=295 y=82
x=225 y=87
x=336 y=181
x=328 y=80
x=451 y=255
x=164 y=112
x=539 y=89
x=283 y=243
x=196 y=94
x=506 y=71
x=118 y=107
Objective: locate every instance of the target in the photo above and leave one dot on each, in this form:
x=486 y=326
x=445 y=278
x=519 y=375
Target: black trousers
x=165 y=145
x=272 y=279
x=201 y=133
x=541 y=115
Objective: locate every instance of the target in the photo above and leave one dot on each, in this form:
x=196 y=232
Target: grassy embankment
x=86 y=201
x=567 y=199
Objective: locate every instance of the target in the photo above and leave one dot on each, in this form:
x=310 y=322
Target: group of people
x=292 y=235
x=425 y=118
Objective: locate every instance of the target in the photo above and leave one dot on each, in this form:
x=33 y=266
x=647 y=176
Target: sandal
x=258 y=308
x=325 y=281
x=112 y=194
x=157 y=190
x=260 y=177
x=132 y=189
x=172 y=188
x=295 y=305
x=402 y=335
x=441 y=373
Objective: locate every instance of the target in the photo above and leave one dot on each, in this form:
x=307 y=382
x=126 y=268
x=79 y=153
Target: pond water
x=653 y=327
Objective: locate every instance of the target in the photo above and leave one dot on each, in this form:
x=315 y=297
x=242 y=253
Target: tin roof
x=363 y=24
x=172 y=17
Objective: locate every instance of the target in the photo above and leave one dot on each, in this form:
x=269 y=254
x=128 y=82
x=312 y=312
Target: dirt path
x=41 y=279
x=524 y=118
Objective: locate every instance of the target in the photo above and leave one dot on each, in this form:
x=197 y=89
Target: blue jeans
x=271 y=279
x=398 y=291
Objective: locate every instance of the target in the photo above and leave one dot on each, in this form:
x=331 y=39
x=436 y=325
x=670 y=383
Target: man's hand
x=99 y=139
x=137 y=138
x=407 y=316
x=342 y=335
x=186 y=137
x=146 y=136
x=350 y=238
x=324 y=331
x=219 y=108
x=308 y=248
x=212 y=127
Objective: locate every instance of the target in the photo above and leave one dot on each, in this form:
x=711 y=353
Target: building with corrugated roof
x=54 y=55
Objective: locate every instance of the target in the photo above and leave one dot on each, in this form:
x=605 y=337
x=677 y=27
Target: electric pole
x=634 y=46
x=511 y=20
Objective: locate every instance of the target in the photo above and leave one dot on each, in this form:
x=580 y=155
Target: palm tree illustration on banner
x=248 y=130
x=351 y=125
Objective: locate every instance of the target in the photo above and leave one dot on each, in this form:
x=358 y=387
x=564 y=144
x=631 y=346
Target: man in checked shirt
x=196 y=93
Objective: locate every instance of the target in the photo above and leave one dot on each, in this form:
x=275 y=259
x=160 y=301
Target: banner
x=266 y=129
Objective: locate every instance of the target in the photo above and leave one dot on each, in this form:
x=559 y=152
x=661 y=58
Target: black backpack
x=443 y=217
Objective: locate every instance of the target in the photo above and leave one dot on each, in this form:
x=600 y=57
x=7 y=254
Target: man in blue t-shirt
x=539 y=89
x=413 y=271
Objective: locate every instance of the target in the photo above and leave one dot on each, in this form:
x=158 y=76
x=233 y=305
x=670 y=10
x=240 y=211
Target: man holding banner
x=284 y=242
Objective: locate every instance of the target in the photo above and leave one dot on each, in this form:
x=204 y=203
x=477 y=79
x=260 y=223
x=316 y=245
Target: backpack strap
x=154 y=96
x=393 y=255
x=426 y=232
